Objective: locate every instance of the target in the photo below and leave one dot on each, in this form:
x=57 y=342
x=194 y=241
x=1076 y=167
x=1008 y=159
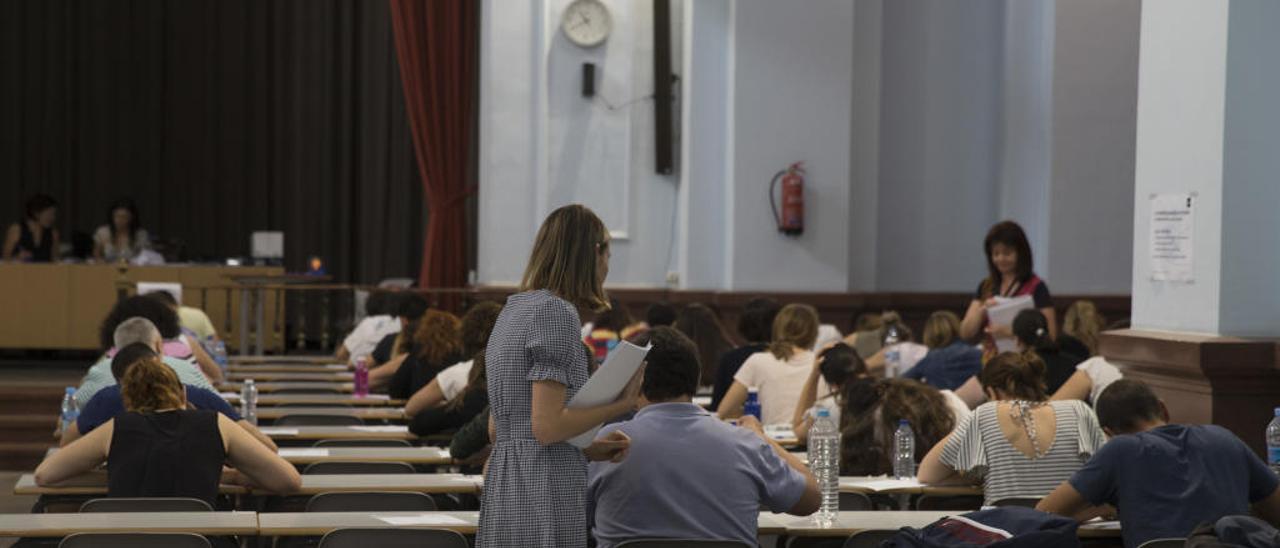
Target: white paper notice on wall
x=1172 y=223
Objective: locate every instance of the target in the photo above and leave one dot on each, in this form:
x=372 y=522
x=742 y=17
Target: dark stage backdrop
x=218 y=117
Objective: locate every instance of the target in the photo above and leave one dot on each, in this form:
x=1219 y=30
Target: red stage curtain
x=436 y=42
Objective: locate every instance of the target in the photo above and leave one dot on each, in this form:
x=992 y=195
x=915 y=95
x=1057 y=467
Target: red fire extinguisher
x=791 y=220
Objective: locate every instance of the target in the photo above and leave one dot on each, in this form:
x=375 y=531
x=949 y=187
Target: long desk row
x=319 y=523
x=310 y=455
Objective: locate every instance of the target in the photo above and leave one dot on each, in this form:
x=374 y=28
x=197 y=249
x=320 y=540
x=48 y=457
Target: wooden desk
x=366 y=413
x=286 y=368
x=95 y=483
x=889 y=486
x=388 y=432
x=848 y=523
x=260 y=376
x=58 y=525
x=268 y=387
x=59 y=306
x=411 y=455
x=319 y=523
x=376 y=400
x=302 y=360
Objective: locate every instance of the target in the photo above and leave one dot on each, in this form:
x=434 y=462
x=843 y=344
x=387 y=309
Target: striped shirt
x=979 y=449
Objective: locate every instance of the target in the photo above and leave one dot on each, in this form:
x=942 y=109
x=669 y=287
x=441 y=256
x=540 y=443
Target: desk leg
x=243 y=341
x=261 y=321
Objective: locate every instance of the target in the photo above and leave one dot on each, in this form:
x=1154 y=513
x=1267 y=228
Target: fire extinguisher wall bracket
x=790 y=219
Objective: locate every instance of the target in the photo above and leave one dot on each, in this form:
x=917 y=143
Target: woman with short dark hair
x=34 y=239
x=1009 y=274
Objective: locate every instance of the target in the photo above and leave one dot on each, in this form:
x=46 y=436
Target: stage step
x=28 y=417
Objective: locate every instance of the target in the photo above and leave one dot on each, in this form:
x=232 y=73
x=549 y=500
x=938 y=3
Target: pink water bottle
x=361 y=380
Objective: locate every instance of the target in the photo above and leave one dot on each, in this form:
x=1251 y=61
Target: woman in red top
x=1010 y=274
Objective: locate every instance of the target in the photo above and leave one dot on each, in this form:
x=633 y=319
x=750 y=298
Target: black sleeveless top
x=169 y=454
x=42 y=253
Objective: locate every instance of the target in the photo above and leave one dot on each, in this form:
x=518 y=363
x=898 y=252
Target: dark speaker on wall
x=664 y=86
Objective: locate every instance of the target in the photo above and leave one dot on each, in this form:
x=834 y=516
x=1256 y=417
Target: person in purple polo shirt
x=690 y=475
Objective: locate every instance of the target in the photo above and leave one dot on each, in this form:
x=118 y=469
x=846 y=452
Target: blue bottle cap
x=72 y=390
x=824 y=412
x=904 y=422
x=1278 y=411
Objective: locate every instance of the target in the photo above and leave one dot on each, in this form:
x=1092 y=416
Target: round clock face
x=586 y=22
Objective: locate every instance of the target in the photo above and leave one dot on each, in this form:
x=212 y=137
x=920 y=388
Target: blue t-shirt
x=108 y=403
x=1169 y=479
x=949 y=367
x=668 y=487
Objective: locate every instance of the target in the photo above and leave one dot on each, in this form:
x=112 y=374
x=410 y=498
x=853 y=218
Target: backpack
x=1234 y=532
x=1008 y=527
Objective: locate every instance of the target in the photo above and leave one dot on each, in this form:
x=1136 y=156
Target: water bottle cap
x=248 y=381
x=823 y=412
x=72 y=390
x=904 y=422
x=1278 y=411
x=753 y=390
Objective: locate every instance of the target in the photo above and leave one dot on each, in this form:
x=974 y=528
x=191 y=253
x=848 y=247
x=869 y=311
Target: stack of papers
x=878 y=484
x=1003 y=313
x=382 y=428
x=303 y=452
x=422 y=519
x=278 y=431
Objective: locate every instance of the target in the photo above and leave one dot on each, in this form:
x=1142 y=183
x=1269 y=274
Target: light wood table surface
x=411 y=455
x=319 y=523
x=307 y=360
x=342 y=388
x=889 y=486
x=57 y=525
x=381 y=432
x=260 y=377
x=286 y=368
x=269 y=399
x=366 y=413
x=95 y=483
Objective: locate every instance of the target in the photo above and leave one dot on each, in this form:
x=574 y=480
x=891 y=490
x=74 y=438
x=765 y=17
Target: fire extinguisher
x=791 y=221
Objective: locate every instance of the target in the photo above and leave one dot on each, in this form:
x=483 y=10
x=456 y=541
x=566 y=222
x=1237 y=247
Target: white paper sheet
x=702 y=401
x=374 y=397
x=608 y=382
x=1172 y=225
x=880 y=484
x=780 y=431
x=382 y=428
x=303 y=452
x=1003 y=313
x=278 y=431
x=423 y=519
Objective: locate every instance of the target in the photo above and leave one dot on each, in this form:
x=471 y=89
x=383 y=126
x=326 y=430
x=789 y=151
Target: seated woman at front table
x=780 y=372
x=1009 y=274
x=160 y=448
x=34 y=239
x=871 y=411
x=123 y=237
x=1018 y=445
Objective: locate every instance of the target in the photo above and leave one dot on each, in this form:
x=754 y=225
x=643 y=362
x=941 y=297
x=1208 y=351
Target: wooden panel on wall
x=35 y=304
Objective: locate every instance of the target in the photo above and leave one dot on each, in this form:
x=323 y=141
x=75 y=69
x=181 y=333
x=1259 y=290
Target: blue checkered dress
x=534 y=495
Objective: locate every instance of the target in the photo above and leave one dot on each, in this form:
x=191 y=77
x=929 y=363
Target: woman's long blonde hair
x=796 y=326
x=149 y=385
x=1083 y=322
x=564 y=257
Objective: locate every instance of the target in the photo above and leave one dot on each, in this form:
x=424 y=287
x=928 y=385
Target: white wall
x=1181 y=76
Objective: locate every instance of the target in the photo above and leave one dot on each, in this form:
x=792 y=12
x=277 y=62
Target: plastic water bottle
x=824 y=461
x=70 y=411
x=361 y=378
x=752 y=407
x=1273 y=443
x=219 y=353
x=249 y=402
x=904 y=451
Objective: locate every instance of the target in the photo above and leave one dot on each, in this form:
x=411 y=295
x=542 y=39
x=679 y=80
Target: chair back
x=949 y=502
x=682 y=543
x=371 y=501
x=319 y=420
x=362 y=443
x=869 y=539
x=135 y=540
x=147 y=504
x=1025 y=502
x=1164 y=543
x=850 y=502
x=393 y=538
x=313 y=390
x=343 y=467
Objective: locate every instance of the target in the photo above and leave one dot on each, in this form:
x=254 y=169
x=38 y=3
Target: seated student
x=870 y=413
x=667 y=487
x=199 y=353
x=165 y=318
x=1032 y=332
x=477 y=323
x=755 y=326
x=1091 y=377
x=893 y=360
x=124 y=333
x=659 y=314
x=159 y=448
x=610 y=327
x=779 y=373
x=471 y=444
x=1163 y=478
x=835 y=365
x=1018 y=444
x=1081 y=325
x=409 y=309
x=459 y=409
x=378 y=322
x=108 y=402
x=950 y=361
x=437 y=343
x=702 y=325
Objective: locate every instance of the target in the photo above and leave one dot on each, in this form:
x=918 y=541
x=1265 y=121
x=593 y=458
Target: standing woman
x=1009 y=274
x=535 y=487
x=34 y=239
x=123 y=237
